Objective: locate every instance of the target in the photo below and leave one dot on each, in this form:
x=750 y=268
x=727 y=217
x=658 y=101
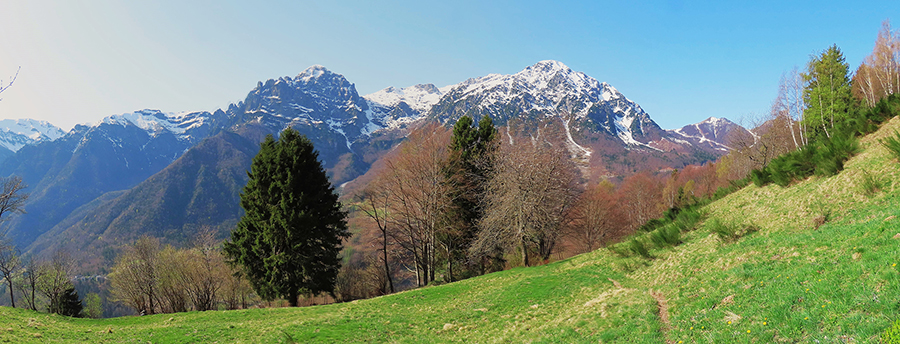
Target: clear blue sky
x=682 y=61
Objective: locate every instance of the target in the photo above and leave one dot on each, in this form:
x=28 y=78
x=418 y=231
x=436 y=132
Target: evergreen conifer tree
x=467 y=171
x=289 y=239
x=67 y=303
x=827 y=92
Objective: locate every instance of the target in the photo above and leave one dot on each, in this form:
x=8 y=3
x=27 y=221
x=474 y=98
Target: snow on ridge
x=419 y=97
x=313 y=72
x=155 y=121
x=17 y=133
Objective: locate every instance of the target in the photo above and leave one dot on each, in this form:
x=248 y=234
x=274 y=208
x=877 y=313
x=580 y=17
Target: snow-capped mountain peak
x=16 y=133
x=313 y=72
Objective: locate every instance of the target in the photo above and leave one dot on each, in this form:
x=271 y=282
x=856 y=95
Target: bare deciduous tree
x=12 y=201
x=11 y=81
x=594 y=218
x=134 y=277
x=55 y=279
x=527 y=196
x=418 y=196
x=374 y=203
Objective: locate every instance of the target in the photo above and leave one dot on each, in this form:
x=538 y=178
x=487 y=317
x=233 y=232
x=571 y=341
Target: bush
x=688 y=218
x=760 y=177
x=834 y=152
x=666 y=236
x=631 y=248
x=892 y=143
x=637 y=247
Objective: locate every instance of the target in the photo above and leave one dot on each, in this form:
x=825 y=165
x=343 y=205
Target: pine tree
x=290 y=236
x=467 y=172
x=67 y=303
x=827 y=93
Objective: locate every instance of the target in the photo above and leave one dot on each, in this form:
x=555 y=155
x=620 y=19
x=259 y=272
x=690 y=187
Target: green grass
x=822 y=267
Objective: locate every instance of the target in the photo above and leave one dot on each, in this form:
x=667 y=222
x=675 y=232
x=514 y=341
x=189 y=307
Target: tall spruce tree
x=289 y=239
x=467 y=171
x=828 y=92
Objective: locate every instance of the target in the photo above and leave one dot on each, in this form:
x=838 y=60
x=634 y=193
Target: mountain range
x=165 y=174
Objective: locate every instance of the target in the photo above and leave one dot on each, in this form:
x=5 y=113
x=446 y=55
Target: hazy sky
x=682 y=61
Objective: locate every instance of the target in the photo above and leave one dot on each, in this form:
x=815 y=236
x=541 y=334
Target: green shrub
x=892 y=143
x=666 y=236
x=688 y=218
x=725 y=232
x=892 y=334
x=834 y=152
x=638 y=247
x=760 y=177
x=633 y=247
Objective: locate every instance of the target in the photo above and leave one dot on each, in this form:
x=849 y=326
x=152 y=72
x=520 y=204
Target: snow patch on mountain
x=387 y=111
x=16 y=133
x=712 y=131
x=156 y=122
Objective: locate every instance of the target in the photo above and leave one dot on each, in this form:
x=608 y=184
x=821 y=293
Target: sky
x=681 y=61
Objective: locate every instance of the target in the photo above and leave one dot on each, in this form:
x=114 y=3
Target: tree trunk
x=387 y=267
x=12 y=300
x=293 y=297
x=525 y=253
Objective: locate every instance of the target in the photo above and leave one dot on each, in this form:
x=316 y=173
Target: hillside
x=789 y=282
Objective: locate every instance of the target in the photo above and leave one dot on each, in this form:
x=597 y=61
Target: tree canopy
x=289 y=238
x=827 y=93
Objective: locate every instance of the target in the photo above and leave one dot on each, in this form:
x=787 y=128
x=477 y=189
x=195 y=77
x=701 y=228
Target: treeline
x=152 y=279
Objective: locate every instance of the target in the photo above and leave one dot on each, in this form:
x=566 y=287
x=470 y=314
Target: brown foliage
x=595 y=218
x=878 y=76
x=417 y=195
x=527 y=197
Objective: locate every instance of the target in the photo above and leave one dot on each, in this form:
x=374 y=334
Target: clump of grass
x=729 y=232
x=631 y=248
x=870 y=185
x=821 y=219
x=892 y=143
x=892 y=334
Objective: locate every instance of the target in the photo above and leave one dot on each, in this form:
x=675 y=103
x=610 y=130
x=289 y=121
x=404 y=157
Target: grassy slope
x=788 y=282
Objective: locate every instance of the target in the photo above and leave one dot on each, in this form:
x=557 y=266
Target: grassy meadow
x=821 y=268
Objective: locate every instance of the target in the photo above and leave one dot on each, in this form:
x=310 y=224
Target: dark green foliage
x=832 y=154
x=688 y=218
x=290 y=235
x=467 y=171
x=638 y=247
x=827 y=92
x=67 y=304
x=760 y=177
x=666 y=236
x=892 y=143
